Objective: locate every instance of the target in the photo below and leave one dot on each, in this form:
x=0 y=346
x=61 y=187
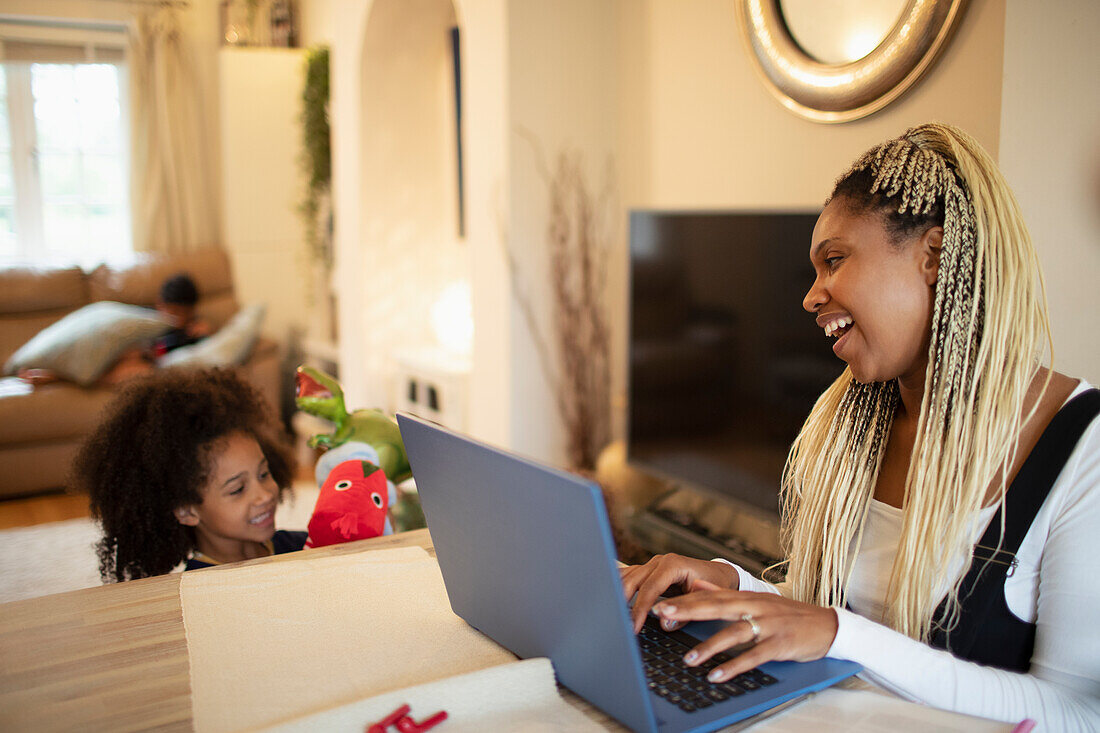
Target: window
x=64 y=163
x=8 y=244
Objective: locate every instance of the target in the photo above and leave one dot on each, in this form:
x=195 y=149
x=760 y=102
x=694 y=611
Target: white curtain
x=175 y=201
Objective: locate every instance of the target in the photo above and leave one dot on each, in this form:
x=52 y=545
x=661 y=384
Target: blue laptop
x=527 y=558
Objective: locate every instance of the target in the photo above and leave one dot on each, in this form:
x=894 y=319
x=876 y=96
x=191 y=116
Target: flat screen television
x=724 y=363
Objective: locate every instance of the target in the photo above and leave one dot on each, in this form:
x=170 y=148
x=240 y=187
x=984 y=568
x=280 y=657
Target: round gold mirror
x=841 y=60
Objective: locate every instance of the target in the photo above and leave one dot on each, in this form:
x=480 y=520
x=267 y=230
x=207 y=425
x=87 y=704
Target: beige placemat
x=279 y=640
x=847 y=710
x=520 y=696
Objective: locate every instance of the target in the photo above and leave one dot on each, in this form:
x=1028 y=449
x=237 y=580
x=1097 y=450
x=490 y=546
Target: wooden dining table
x=114 y=658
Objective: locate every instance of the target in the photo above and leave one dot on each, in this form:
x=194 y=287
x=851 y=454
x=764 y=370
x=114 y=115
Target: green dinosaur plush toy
x=321 y=395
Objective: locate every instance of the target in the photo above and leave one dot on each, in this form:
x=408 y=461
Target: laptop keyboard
x=687 y=687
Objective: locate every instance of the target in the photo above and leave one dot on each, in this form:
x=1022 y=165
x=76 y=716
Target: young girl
x=186 y=465
x=942 y=502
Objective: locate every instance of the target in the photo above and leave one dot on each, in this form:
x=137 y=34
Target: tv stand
x=690 y=523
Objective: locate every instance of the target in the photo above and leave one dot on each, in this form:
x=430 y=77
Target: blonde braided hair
x=988 y=321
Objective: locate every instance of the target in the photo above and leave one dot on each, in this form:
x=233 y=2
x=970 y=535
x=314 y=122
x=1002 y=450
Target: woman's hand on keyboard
x=651 y=580
x=777 y=627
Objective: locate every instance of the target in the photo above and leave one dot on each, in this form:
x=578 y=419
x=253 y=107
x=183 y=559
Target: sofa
x=41 y=432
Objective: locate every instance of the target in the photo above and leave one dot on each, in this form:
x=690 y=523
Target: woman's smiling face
x=873 y=295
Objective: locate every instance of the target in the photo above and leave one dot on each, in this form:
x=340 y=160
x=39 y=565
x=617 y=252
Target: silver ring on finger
x=747 y=618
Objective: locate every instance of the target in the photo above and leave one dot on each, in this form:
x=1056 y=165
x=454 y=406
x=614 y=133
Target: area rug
x=60 y=556
x=48 y=558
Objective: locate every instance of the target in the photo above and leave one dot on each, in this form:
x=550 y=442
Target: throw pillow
x=230 y=346
x=87 y=342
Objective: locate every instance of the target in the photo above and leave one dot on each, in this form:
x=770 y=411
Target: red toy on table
x=352 y=505
x=400 y=719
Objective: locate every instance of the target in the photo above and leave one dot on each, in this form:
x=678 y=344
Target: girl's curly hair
x=151 y=455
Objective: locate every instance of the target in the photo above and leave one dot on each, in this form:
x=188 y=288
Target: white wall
x=316 y=22
x=486 y=111
x=513 y=53
x=700 y=130
x=397 y=244
x=1050 y=153
x=408 y=208
x=264 y=184
x=562 y=81
x=345 y=104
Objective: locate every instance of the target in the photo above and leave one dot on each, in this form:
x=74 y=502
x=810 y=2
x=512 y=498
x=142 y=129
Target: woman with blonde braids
x=942 y=502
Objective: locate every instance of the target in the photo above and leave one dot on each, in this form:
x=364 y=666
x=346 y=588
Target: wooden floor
x=60 y=506
x=42 y=509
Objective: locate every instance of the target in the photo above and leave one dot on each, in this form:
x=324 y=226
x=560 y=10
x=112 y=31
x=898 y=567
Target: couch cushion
x=57 y=411
x=140 y=283
x=230 y=346
x=32 y=290
x=86 y=343
x=32 y=298
x=18 y=330
x=217 y=309
x=36 y=467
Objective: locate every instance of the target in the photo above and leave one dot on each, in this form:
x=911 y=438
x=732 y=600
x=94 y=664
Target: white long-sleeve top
x=1056 y=586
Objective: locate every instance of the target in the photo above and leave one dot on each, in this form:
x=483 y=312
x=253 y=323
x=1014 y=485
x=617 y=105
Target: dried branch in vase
x=578 y=242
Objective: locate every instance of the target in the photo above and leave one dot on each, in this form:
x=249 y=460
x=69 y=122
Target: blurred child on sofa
x=176 y=303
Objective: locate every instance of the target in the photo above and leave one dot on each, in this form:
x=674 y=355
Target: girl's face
x=874 y=297
x=238 y=500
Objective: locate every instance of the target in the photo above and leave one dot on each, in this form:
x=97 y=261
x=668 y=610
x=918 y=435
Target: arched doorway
x=411 y=253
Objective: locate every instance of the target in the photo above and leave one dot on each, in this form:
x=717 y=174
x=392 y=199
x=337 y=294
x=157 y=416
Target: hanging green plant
x=317 y=156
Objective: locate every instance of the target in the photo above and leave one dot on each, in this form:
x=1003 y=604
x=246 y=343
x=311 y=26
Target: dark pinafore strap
x=987 y=631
